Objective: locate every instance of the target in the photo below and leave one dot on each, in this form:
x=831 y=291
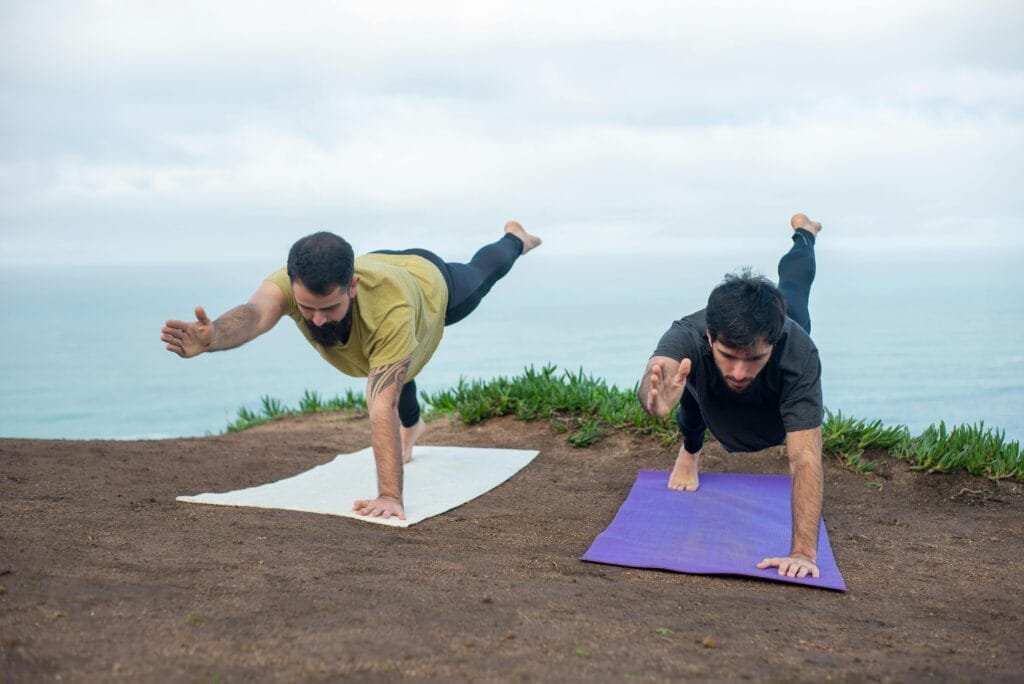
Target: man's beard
x=732 y=390
x=331 y=334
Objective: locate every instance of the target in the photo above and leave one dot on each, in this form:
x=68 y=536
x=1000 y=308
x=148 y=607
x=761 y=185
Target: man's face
x=740 y=365
x=327 y=314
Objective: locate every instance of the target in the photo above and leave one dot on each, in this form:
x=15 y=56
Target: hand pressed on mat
x=381 y=507
x=793 y=565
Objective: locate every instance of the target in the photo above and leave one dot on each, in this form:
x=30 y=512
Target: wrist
x=213 y=336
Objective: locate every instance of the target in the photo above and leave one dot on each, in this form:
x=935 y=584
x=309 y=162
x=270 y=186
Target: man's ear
x=352 y=286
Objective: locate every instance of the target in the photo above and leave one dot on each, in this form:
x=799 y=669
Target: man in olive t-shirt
x=745 y=368
x=378 y=316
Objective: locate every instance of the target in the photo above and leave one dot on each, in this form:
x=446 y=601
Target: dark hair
x=322 y=261
x=744 y=309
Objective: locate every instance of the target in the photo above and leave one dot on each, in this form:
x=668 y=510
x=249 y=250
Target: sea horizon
x=906 y=338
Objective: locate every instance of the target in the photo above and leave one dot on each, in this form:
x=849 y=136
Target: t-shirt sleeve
x=394 y=338
x=679 y=342
x=280 y=278
x=801 y=404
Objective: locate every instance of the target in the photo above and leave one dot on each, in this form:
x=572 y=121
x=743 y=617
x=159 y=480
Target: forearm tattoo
x=384 y=377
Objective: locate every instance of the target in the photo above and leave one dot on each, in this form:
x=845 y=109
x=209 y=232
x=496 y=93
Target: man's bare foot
x=684 y=475
x=801 y=221
x=529 y=241
x=409 y=437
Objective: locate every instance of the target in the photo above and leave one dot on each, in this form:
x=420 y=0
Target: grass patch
x=848 y=438
x=588 y=434
x=311 y=402
x=978 y=450
x=587 y=408
x=971 y=448
x=272 y=408
x=587 y=403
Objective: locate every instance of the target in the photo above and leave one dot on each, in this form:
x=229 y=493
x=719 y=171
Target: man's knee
x=408 y=405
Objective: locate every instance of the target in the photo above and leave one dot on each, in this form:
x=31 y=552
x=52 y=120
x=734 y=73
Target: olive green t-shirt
x=398 y=311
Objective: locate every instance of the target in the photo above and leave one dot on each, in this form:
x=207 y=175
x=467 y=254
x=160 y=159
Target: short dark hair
x=322 y=261
x=744 y=309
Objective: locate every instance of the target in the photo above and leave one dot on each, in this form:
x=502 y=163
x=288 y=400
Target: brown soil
x=104 y=576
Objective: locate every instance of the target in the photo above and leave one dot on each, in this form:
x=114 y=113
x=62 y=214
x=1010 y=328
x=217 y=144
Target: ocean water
x=905 y=338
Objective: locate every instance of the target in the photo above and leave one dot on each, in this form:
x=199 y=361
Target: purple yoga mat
x=724 y=528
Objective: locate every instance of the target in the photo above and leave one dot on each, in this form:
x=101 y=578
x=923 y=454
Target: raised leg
x=469 y=283
x=797 y=270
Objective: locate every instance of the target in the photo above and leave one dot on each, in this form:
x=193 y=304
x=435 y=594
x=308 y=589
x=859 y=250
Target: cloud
x=182 y=125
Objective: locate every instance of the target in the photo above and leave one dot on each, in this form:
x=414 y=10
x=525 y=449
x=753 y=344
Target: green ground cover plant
x=580 y=402
x=848 y=439
x=311 y=402
x=587 y=408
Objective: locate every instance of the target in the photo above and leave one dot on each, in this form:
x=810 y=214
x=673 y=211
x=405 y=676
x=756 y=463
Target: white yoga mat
x=438 y=479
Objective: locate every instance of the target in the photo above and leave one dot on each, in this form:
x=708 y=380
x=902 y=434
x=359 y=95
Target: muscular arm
x=804 y=449
x=383 y=388
x=236 y=327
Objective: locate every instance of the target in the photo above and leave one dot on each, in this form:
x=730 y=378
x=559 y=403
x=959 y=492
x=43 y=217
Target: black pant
x=796 y=273
x=467 y=286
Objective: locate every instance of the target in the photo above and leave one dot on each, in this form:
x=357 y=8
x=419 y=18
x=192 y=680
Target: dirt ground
x=104 y=576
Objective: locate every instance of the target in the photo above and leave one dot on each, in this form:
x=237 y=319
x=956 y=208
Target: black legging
x=796 y=273
x=467 y=286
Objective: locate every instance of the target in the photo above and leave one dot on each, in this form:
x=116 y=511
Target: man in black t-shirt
x=746 y=369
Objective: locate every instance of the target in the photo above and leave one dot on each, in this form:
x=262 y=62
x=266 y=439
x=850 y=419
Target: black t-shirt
x=784 y=397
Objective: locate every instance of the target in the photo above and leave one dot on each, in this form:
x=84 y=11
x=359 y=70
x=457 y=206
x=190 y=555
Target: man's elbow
x=382 y=408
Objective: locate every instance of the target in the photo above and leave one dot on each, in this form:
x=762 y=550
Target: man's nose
x=319 y=318
x=741 y=371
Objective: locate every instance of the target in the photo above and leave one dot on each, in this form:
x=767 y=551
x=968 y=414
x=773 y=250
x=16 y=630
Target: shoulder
x=279 y=285
x=795 y=342
x=382 y=298
x=281 y=279
x=684 y=338
x=795 y=354
x=275 y=291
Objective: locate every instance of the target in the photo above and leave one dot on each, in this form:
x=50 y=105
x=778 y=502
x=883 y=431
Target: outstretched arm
x=662 y=385
x=236 y=327
x=383 y=388
x=804 y=448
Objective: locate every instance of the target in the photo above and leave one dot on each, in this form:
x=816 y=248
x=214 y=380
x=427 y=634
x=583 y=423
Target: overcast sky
x=174 y=131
